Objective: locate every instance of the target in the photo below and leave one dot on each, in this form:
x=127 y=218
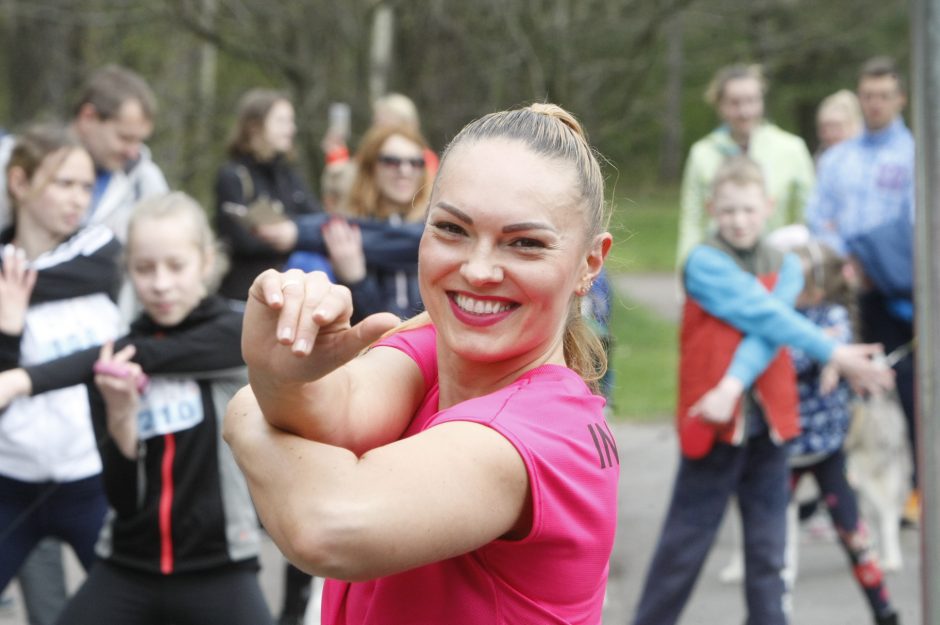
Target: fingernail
x=21 y=253
x=7 y=249
x=285 y=334
x=275 y=298
x=301 y=346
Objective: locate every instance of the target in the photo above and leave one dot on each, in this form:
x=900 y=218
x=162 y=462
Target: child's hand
x=717 y=405
x=828 y=379
x=16 y=286
x=860 y=365
x=120 y=382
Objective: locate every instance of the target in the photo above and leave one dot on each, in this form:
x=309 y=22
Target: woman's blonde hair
x=553 y=132
x=845 y=104
x=179 y=204
x=364 y=195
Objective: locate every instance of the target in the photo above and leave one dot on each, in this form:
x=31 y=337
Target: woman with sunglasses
x=392 y=185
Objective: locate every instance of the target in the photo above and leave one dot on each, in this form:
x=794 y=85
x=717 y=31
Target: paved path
x=659 y=292
x=825 y=593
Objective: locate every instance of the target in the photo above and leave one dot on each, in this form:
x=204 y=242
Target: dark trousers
x=29 y=512
x=116 y=594
x=757 y=473
x=42 y=582
x=879 y=326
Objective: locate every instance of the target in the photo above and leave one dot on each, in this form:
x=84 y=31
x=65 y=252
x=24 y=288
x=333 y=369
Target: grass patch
x=644 y=363
x=645 y=354
x=645 y=232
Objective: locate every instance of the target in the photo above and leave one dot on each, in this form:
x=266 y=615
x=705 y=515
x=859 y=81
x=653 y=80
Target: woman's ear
x=594 y=261
x=17 y=182
x=597 y=254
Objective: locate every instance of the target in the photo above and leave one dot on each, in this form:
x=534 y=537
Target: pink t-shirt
x=558 y=573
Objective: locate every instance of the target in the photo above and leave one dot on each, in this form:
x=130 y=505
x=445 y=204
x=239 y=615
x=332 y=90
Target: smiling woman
x=464 y=470
x=390 y=191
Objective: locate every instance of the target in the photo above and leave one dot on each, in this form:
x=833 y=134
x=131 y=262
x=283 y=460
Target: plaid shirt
x=863 y=183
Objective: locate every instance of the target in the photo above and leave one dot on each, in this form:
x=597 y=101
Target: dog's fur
x=879 y=468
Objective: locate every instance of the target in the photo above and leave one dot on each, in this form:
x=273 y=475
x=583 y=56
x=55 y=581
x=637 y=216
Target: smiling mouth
x=475 y=306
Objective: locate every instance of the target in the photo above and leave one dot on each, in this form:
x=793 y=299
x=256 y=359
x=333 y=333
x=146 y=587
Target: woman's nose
x=482 y=267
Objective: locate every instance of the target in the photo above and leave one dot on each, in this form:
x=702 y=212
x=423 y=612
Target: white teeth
x=479 y=307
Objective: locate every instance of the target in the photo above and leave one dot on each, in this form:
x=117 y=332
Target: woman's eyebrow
x=456 y=212
x=526 y=225
x=529 y=225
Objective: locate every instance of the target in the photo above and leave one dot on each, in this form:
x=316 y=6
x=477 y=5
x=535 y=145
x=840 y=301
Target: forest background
x=633 y=71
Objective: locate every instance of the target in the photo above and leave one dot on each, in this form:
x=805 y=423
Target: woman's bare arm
x=440 y=493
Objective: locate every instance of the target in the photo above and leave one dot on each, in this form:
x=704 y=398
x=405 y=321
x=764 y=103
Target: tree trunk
x=382 y=44
x=670 y=162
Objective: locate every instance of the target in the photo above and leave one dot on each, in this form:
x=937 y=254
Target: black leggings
x=116 y=594
x=840 y=500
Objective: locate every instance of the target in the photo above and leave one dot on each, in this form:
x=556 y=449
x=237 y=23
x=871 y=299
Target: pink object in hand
x=120 y=371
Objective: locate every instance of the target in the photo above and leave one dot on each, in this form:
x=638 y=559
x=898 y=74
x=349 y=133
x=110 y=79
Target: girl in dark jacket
x=259 y=194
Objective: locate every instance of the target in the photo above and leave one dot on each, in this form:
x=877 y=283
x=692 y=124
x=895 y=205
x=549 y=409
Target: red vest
x=706 y=348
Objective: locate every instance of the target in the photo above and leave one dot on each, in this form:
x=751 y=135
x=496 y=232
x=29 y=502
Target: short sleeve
x=419 y=344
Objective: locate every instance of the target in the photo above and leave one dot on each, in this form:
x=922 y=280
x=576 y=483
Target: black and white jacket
x=49 y=437
x=182 y=505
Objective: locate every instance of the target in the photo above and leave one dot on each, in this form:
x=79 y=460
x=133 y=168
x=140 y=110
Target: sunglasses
x=396 y=162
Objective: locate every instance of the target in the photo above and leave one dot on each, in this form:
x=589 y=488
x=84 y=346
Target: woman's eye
x=448 y=227
x=525 y=242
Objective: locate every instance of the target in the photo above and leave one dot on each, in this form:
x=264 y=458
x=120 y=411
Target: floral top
x=824 y=419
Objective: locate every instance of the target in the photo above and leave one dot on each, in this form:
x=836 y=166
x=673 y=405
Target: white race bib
x=169 y=405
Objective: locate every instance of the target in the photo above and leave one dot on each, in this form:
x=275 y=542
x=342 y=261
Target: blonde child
x=181 y=541
x=737 y=401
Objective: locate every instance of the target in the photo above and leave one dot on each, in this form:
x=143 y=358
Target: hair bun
x=556 y=112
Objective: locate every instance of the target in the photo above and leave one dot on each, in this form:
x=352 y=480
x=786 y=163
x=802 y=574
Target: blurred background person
x=259 y=193
x=392 y=185
x=392 y=109
x=58 y=283
x=839 y=117
x=737 y=94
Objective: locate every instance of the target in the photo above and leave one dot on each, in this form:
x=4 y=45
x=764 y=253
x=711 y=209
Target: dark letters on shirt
x=605 y=444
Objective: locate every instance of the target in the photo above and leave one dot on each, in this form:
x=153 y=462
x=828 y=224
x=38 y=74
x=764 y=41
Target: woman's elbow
x=332 y=548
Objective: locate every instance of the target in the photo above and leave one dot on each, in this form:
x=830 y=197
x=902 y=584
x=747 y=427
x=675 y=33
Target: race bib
x=169 y=405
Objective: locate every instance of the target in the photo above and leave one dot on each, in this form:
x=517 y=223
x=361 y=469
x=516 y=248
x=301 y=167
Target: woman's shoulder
x=551 y=398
